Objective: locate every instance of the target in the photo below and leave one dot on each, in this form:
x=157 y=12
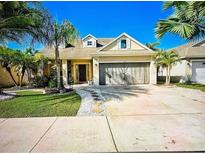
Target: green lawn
x=36 y=104
x=192 y=86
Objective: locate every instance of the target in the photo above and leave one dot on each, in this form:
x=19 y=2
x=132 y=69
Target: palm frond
x=187 y=20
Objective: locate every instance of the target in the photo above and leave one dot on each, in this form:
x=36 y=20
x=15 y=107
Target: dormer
x=124 y=43
x=89 y=41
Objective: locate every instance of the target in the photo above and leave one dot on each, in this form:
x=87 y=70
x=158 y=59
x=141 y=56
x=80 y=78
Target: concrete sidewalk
x=184 y=132
x=139 y=118
x=56 y=134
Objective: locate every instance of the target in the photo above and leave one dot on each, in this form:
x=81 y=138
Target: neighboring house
x=192 y=65
x=106 y=61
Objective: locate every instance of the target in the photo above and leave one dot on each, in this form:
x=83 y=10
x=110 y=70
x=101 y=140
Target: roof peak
x=90 y=36
x=119 y=36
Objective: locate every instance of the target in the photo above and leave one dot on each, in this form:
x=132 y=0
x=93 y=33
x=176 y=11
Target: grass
x=192 y=86
x=36 y=104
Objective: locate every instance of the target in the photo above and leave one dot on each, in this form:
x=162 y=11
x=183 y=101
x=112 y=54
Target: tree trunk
x=18 y=78
x=166 y=76
x=58 y=70
x=58 y=75
x=22 y=75
x=157 y=72
x=29 y=75
x=9 y=71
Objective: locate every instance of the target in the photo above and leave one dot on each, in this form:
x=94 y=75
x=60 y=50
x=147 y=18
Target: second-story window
x=89 y=43
x=123 y=44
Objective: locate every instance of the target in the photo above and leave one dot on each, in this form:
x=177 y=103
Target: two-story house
x=107 y=61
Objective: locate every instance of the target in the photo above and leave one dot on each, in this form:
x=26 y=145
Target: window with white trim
x=123 y=44
x=89 y=43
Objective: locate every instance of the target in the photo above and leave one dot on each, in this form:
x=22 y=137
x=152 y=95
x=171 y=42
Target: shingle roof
x=71 y=53
x=80 y=52
x=191 y=50
x=77 y=52
x=104 y=41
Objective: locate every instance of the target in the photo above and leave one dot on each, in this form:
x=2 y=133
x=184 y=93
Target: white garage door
x=124 y=73
x=198 y=71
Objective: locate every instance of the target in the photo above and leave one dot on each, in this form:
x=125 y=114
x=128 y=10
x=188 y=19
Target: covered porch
x=77 y=71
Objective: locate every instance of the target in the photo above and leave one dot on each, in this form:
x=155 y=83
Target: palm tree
x=187 y=20
x=166 y=60
x=64 y=33
x=7 y=61
x=19 y=61
x=19 y=19
x=153 y=46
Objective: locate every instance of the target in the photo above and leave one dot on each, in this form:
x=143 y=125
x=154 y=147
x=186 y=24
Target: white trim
x=195 y=44
x=91 y=43
x=125 y=34
x=88 y=36
x=120 y=45
x=193 y=60
x=104 y=62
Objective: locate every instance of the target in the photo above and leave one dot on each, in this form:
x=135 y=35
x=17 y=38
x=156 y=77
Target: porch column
x=153 y=73
x=95 y=71
x=65 y=71
x=41 y=69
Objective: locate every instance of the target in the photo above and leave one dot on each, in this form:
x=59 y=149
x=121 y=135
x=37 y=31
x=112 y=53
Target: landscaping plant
x=166 y=59
x=21 y=20
x=21 y=62
x=63 y=34
x=187 y=20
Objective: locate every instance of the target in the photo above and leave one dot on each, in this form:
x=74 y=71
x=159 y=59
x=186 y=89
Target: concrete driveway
x=152 y=100
x=139 y=118
x=152 y=118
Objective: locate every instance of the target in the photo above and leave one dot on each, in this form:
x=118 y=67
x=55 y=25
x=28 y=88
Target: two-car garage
x=124 y=73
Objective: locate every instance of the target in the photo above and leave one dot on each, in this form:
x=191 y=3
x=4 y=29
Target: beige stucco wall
x=177 y=70
x=97 y=61
x=182 y=69
x=133 y=45
x=153 y=73
x=5 y=79
x=96 y=71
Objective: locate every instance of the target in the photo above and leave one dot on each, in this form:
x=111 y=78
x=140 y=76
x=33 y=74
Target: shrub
x=52 y=80
x=188 y=81
x=40 y=81
x=52 y=83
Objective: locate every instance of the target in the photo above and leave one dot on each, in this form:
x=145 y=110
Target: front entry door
x=82 y=73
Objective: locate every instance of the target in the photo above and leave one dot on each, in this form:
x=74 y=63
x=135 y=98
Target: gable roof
x=128 y=36
x=191 y=49
x=77 y=51
x=199 y=43
x=89 y=35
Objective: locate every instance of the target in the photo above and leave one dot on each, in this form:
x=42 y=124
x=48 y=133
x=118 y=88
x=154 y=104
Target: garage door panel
x=198 y=71
x=124 y=73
